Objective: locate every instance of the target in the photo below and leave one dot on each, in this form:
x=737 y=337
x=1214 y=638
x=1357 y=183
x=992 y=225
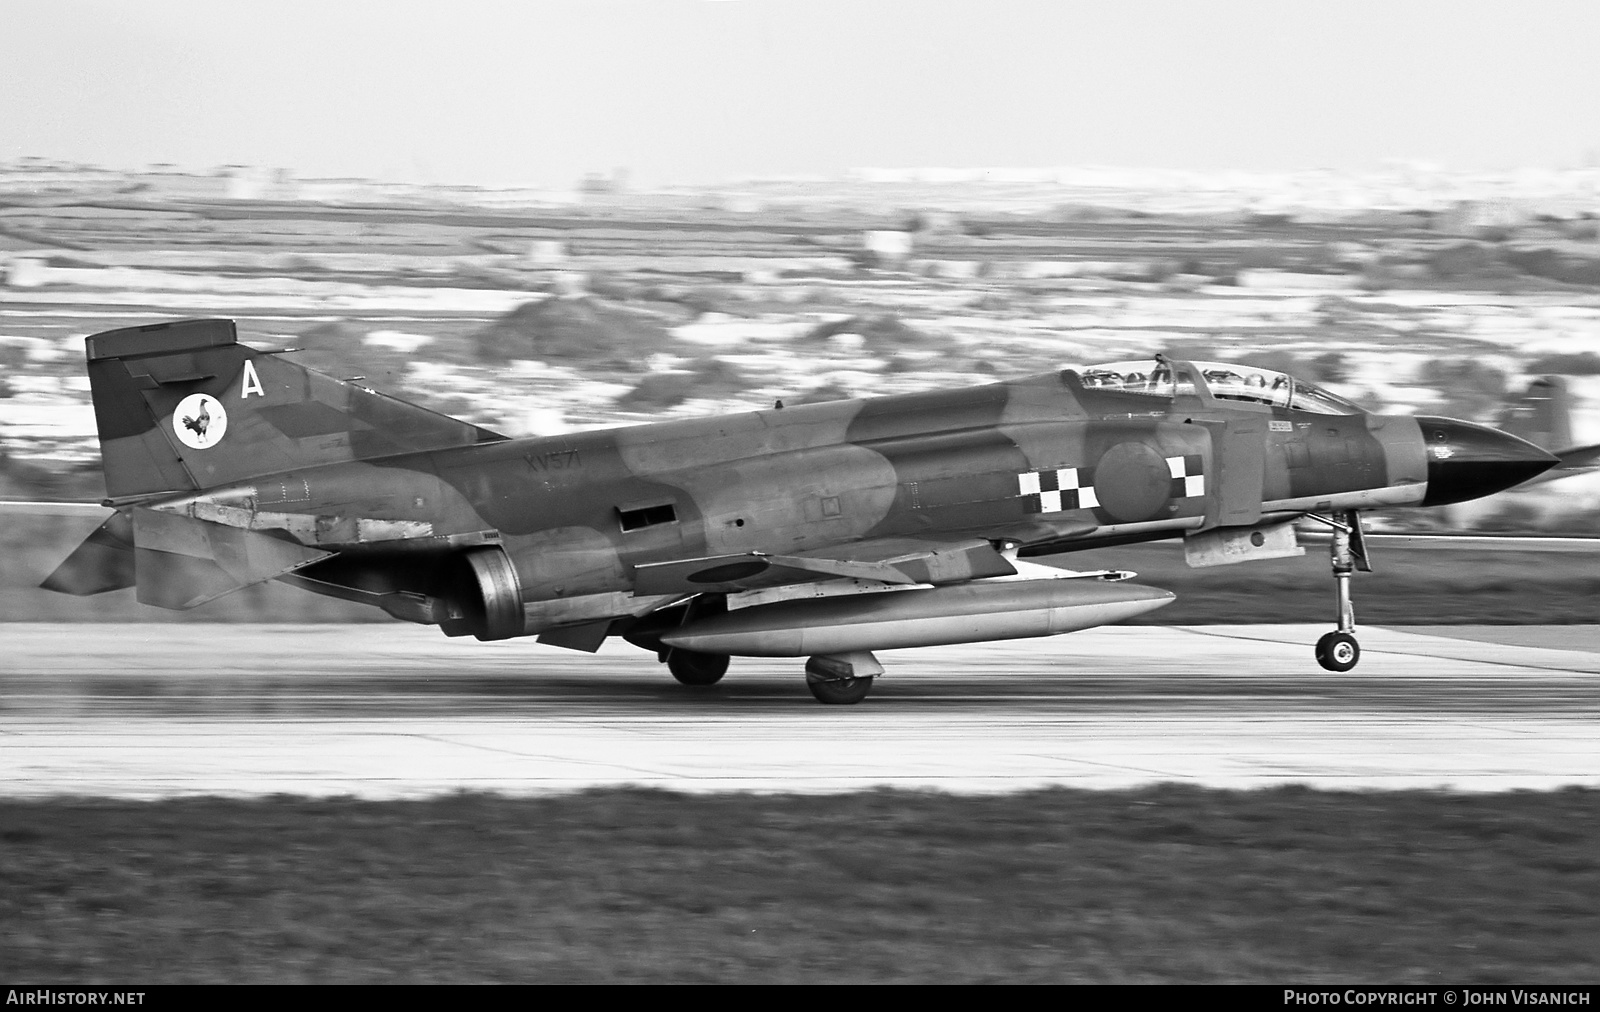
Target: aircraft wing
x=1037 y=531
x=1576 y=460
x=1043 y=536
x=35 y=508
x=903 y=561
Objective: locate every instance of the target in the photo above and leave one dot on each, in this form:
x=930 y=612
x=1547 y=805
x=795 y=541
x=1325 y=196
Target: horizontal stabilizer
x=104 y=561
x=181 y=563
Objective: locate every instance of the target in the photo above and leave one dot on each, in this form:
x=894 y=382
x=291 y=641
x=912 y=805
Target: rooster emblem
x=199 y=422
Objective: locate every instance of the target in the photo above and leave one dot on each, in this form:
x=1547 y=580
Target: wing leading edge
x=903 y=561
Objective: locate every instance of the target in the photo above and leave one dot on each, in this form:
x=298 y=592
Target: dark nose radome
x=1466 y=461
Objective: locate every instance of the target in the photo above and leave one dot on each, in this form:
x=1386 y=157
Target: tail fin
x=183 y=406
x=1541 y=415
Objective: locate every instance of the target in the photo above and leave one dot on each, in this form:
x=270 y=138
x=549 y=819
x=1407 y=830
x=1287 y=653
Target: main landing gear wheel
x=1338 y=651
x=839 y=691
x=842 y=679
x=697 y=669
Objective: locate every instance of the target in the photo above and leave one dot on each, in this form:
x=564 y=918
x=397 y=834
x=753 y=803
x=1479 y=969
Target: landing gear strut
x=1338 y=650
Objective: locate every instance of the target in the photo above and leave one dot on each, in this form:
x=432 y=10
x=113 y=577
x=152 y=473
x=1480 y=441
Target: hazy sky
x=540 y=91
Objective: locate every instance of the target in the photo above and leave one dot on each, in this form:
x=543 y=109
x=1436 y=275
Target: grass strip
x=1165 y=884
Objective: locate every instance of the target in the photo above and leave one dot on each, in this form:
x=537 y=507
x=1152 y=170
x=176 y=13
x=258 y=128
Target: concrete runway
x=382 y=711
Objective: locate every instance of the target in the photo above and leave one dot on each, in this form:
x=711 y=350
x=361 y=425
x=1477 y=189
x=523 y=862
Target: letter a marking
x=252 y=382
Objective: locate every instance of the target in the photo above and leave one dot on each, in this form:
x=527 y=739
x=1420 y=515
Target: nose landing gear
x=1338 y=650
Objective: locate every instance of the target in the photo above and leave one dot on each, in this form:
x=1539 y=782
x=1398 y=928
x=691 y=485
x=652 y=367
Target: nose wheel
x=1338 y=650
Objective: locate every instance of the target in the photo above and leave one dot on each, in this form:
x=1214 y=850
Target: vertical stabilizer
x=1542 y=415
x=184 y=405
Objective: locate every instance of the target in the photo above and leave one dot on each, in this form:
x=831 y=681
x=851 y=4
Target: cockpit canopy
x=1154 y=377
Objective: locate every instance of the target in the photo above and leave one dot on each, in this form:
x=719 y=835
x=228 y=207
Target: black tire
x=1338 y=651
x=697 y=669
x=840 y=691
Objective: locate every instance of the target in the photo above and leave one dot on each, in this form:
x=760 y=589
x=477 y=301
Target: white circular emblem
x=200 y=421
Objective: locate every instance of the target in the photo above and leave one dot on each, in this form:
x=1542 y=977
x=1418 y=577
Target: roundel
x=200 y=421
x=1132 y=482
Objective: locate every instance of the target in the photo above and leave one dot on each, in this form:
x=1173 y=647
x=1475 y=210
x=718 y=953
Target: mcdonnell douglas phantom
x=825 y=531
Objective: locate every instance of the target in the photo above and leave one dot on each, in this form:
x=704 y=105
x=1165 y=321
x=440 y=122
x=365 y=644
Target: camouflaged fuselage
x=1041 y=462
x=827 y=530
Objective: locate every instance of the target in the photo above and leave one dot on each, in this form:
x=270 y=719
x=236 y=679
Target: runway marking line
x=1534 y=663
x=536 y=756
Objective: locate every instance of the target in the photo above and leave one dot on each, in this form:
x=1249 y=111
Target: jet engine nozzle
x=1466 y=460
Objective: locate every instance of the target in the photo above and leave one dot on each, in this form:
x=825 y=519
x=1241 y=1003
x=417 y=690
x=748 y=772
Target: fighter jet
x=826 y=531
x=1543 y=416
x=1562 y=496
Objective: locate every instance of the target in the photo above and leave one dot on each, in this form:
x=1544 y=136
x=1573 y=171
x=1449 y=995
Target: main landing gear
x=689 y=667
x=836 y=679
x=842 y=679
x=1338 y=650
x=692 y=668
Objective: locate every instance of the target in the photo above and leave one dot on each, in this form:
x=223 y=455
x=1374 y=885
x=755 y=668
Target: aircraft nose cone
x=1466 y=461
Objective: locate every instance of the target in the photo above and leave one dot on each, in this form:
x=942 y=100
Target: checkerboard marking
x=1057 y=489
x=1188 y=475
